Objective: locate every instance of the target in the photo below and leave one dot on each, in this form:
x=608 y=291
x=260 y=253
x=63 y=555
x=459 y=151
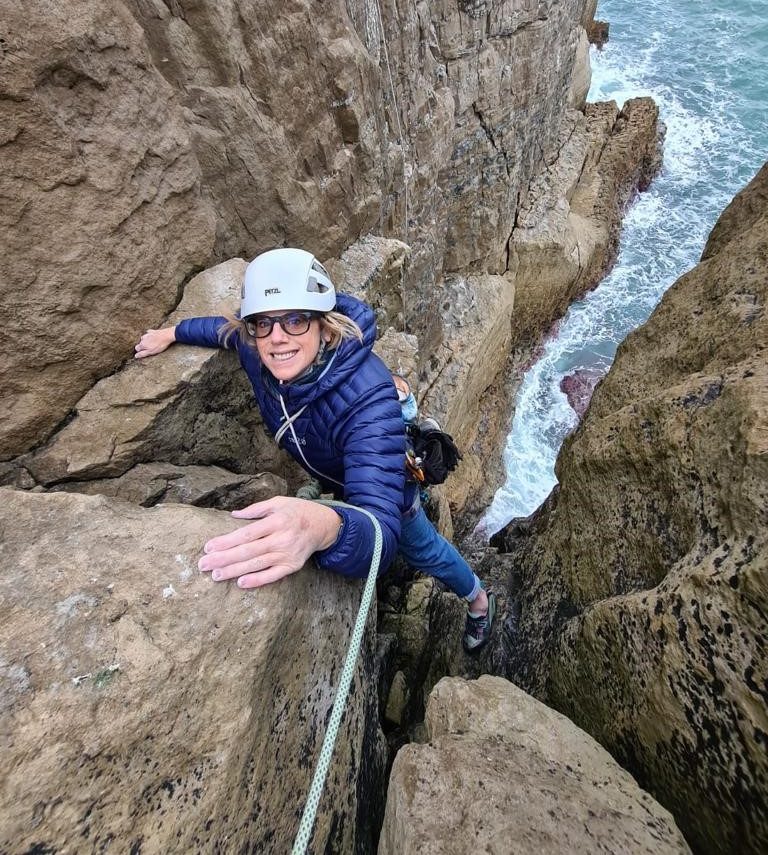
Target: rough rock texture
x=582 y=75
x=598 y=33
x=148 y=484
x=417 y=123
x=101 y=210
x=428 y=622
x=567 y=232
x=455 y=388
x=189 y=406
x=133 y=130
x=193 y=406
x=373 y=269
x=149 y=709
x=645 y=593
x=504 y=774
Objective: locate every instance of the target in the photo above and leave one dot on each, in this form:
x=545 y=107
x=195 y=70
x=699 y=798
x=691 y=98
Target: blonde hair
x=338 y=327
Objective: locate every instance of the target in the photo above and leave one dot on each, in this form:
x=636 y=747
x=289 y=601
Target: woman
x=330 y=401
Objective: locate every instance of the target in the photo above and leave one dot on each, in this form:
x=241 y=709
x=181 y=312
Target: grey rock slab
x=145 y=706
x=502 y=773
x=188 y=405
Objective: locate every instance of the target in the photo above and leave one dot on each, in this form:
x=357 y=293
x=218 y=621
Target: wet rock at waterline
x=578 y=388
x=644 y=578
x=502 y=773
x=146 y=707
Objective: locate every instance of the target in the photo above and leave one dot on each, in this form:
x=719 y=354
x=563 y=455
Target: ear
x=327 y=336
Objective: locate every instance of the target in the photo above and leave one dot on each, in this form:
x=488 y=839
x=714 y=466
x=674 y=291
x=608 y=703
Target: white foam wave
x=710 y=150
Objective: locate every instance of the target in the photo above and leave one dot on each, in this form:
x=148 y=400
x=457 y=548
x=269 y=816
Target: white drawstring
x=288 y=421
x=288 y=425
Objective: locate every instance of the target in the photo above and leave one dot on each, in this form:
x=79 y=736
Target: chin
x=286 y=373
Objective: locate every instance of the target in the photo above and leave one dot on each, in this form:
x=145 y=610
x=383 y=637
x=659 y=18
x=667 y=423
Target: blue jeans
x=429 y=552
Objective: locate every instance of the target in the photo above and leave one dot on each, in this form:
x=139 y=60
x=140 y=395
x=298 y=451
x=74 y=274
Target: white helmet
x=286 y=279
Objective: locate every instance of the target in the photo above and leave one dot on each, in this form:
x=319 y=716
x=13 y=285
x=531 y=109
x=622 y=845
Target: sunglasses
x=294 y=323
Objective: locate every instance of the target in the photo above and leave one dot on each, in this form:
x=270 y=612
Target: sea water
x=705 y=63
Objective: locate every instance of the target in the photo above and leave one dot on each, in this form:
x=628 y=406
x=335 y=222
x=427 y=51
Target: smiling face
x=285 y=356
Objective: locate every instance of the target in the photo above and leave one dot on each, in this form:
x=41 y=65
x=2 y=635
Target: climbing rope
x=306 y=825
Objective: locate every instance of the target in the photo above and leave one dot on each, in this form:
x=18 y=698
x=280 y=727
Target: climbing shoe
x=477 y=630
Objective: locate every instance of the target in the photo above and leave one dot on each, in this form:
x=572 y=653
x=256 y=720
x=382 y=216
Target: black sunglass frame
x=250 y=325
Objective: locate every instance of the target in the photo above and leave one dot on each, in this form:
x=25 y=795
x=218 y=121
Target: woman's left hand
x=280 y=541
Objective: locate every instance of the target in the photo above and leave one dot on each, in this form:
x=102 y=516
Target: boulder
x=188 y=406
x=643 y=578
x=578 y=388
x=598 y=33
x=502 y=773
x=102 y=215
x=147 y=708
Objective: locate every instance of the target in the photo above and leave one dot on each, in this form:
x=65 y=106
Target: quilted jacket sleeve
x=203 y=332
x=372 y=440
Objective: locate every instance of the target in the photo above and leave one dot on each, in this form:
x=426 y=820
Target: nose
x=278 y=334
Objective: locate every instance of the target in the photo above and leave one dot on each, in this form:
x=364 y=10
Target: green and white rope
x=304 y=834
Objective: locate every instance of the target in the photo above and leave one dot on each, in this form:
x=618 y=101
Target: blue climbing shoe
x=477 y=630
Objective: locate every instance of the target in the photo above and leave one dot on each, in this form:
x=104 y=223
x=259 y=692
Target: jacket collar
x=336 y=365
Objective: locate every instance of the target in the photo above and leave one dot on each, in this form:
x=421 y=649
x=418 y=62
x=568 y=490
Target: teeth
x=281 y=357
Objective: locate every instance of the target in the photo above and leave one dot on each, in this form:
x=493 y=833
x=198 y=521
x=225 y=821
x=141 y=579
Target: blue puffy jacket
x=351 y=432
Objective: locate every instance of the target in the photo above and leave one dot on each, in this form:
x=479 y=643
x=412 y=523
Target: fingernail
x=216 y=575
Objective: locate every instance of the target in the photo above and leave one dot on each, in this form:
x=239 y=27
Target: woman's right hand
x=154 y=342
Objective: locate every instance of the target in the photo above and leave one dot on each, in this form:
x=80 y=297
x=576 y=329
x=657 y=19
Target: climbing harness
x=304 y=834
x=413 y=465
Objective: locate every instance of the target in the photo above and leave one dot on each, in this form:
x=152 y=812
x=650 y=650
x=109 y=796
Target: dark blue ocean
x=706 y=66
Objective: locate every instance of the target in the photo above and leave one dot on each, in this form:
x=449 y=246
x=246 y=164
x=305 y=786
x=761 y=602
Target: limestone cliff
x=644 y=597
x=144 y=139
x=433 y=154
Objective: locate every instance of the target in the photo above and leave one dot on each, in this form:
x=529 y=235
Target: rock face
x=504 y=774
x=567 y=231
x=273 y=125
x=101 y=209
x=147 y=707
x=644 y=598
x=144 y=140
x=148 y=484
x=190 y=406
